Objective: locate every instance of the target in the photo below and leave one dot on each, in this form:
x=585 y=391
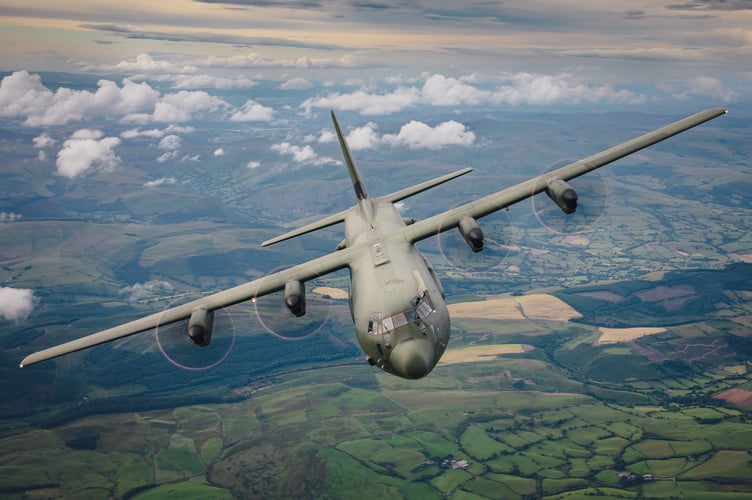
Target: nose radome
x=413 y=358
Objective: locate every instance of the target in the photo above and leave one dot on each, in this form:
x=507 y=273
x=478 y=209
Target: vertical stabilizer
x=357 y=180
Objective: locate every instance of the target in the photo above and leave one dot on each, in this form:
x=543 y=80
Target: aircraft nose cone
x=413 y=358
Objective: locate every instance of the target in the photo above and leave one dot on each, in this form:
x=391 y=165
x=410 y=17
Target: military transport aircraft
x=395 y=297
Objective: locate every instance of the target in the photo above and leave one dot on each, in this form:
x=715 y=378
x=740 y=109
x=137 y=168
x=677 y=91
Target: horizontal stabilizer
x=419 y=188
x=314 y=226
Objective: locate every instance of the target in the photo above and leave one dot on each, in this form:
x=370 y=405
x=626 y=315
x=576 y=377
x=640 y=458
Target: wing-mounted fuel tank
x=472 y=233
x=295 y=297
x=200 y=326
x=563 y=195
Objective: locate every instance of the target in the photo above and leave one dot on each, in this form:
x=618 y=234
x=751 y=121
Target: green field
x=565 y=419
x=402 y=440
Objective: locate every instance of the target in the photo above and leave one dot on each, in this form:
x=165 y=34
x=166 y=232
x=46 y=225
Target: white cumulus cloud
x=365 y=137
x=253 y=111
x=160 y=182
x=417 y=135
x=23 y=95
x=170 y=142
x=44 y=141
x=298 y=83
x=219 y=152
x=134 y=133
x=16 y=303
x=508 y=89
x=87 y=149
x=302 y=155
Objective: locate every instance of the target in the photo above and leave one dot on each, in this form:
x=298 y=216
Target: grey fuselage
x=396 y=300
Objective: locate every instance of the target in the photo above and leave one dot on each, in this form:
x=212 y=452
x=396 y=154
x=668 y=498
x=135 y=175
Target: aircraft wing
x=450 y=219
x=241 y=293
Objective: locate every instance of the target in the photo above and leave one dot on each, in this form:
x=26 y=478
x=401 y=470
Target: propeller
x=176 y=346
x=275 y=318
x=498 y=243
x=591 y=199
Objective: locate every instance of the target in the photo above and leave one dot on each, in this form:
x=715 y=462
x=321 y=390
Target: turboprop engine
x=472 y=233
x=295 y=297
x=200 y=326
x=563 y=194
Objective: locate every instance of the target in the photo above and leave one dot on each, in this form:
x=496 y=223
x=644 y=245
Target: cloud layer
x=22 y=95
x=509 y=89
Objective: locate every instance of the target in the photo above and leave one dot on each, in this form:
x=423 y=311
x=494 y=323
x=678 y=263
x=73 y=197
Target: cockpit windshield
x=422 y=307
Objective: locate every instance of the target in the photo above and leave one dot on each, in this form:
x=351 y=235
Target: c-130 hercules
x=395 y=297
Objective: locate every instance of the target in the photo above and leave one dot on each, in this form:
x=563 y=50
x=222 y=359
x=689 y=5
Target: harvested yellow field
x=744 y=257
x=616 y=335
x=534 y=306
x=335 y=293
x=481 y=353
x=547 y=307
x=503 y=308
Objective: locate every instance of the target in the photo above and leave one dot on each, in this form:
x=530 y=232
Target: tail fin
x=357 y=180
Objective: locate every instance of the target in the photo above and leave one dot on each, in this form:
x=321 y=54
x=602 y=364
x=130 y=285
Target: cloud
x=144 y=63
x=302 y=155
x=253 y=164
x=367 y=103
x=184 y=105
x=364 y=137
x=415 y=135
x=23 y=95
x=135 y=133
x=170 y=143
x=418 y=135
x=253 y=111
x=707 y=86
x=219 y=152
x=9 y=217
x=511 y=89
x=44 y=141
x=702 y=5
x=16 y=303
x=142 y=291
x=87 y=149
x=208 y=81
x=215 y=36
x=298 y=83
x=159 y=182
x=327 y=136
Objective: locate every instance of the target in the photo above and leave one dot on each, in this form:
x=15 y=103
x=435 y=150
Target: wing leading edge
x=241 y=293
x=501 y=199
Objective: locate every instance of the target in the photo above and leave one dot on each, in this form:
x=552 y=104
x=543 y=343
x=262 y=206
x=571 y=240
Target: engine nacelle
x=200 y=326
x=295 y=297
x=472 y=233
x=563 y=195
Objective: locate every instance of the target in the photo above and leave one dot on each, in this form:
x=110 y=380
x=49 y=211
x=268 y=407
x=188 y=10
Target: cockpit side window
x=425 y=306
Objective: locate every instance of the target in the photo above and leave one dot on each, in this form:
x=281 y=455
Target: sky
x=682 y=47
x=163 y=66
